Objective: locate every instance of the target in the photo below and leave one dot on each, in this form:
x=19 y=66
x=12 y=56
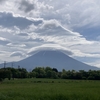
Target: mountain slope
x=54 y=59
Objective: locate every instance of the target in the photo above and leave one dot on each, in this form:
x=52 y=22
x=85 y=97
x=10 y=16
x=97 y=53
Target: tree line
x=48 y=72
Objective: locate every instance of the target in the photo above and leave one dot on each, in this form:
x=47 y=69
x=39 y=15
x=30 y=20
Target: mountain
x=54 y=59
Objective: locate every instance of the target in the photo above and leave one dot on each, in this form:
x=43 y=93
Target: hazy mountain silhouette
x=54 y=59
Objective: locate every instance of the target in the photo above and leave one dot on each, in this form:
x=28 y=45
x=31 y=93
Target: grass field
x=49 y=89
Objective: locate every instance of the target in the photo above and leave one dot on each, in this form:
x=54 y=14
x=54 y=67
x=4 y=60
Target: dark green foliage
x=5 y=73
x=39 y=72
x=55 y=69
x=47 y=72
x=13 y=73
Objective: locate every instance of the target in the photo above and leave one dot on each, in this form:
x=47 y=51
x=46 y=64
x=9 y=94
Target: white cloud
x=17 y=53
x=95 y=63
x=3 y=41
x=50 y=47
x=16 y=45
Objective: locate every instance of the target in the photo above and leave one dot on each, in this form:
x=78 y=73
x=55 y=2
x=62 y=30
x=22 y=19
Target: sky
x=72 y=26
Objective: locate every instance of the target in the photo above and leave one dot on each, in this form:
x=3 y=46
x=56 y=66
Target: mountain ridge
x=53 y=59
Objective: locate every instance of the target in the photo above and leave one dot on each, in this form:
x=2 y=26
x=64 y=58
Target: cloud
x=49 y=47
x=48 y=31
x=53 y=27
x=8 y=20
x=80 y=16
x=52 y=31
x=3 y=41
x=72 y=14
x=17 y=53
x=16 y=45
x=1 y=1
x=23 y=34
x=26 y=6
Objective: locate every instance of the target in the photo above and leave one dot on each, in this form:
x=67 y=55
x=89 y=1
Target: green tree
x=40 y=72
x=64 y=74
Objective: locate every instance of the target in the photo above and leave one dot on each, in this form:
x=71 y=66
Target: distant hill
x=54 y=59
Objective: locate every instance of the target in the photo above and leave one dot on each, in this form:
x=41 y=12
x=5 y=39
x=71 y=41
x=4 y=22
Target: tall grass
x=49 y=89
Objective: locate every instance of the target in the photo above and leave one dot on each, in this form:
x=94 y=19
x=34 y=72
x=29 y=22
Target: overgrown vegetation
x=47 y=72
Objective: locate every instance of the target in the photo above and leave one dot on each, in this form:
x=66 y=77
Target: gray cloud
x=1 y=1
x=23 y=34
x=35 y=40
x=26 y=6
x=9 y=20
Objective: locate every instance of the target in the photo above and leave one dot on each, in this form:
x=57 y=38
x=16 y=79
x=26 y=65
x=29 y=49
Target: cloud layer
x=27 y=26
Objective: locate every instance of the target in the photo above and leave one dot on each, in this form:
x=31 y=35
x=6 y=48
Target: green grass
x=49 y=89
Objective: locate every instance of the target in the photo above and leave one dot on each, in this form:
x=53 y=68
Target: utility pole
x=4 y=64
